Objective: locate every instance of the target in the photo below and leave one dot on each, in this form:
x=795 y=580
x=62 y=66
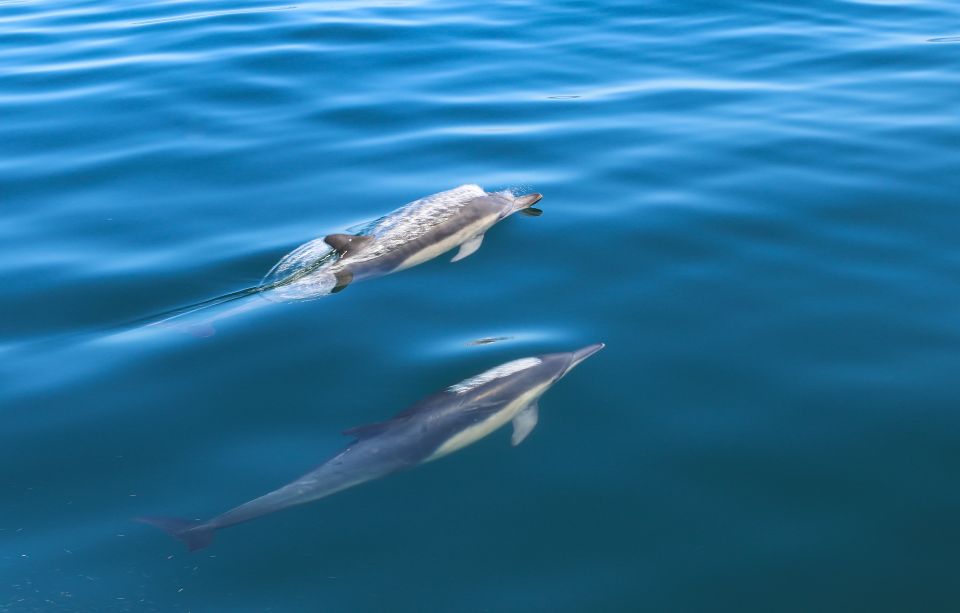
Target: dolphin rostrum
x=411 y=235
x=437 y=425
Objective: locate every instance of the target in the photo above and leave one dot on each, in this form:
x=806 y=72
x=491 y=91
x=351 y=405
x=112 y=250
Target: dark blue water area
x=756 y=205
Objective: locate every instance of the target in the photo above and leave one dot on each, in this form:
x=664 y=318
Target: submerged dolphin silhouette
x=437 y=425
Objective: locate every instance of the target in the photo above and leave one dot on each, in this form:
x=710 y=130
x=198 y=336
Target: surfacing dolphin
x=411 y=235
x=437 y=425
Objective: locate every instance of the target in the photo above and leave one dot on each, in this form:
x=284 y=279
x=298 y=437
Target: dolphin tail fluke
x=179 y=319
x=194 y=534
x=201 y=330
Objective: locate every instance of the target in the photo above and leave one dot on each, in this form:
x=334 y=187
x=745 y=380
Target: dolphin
x=411 y=235
x=432 y=428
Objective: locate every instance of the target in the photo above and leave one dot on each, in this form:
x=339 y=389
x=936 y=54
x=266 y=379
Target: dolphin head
x=559 y=364
x=519 y=204
x=582 y=354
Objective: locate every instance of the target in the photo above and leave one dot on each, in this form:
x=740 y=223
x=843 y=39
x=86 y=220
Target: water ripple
x=214 y=14
x=754 y=204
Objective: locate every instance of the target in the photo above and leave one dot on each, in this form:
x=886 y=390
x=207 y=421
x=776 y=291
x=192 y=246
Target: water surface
x=754 y=204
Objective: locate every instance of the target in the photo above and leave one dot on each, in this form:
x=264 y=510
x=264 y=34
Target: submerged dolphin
x=437 y=425
x=411 y=235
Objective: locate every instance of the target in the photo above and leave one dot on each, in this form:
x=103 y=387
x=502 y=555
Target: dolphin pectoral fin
x=346 y=244
x=344 y=277
x=468 y=248
x=524 y=423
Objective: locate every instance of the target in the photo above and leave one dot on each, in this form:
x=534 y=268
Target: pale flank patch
x=477 y=431
x=415 y=219
x=503 y=370
x=459 y=238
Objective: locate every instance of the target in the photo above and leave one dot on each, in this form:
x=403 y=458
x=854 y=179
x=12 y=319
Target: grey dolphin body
x=414 y=233
x=437 y=425
x=365 y=256
x=411 y=235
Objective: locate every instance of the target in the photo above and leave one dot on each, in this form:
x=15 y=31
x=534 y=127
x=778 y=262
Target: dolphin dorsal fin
x=367 y=430
x=524 y=423
x=347 y=243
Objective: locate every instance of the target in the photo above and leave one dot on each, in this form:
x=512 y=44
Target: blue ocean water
x=754 y=204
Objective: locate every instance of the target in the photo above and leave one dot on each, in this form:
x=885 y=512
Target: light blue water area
x=755 y=204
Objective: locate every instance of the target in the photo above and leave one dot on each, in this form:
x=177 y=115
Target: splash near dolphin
x=432 y=428
x=411 y=235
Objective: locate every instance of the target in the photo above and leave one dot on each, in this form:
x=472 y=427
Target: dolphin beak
x=582 y=354
x=525 y=202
